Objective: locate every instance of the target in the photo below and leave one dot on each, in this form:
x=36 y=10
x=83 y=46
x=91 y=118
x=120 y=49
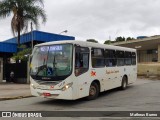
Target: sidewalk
x=14 y=91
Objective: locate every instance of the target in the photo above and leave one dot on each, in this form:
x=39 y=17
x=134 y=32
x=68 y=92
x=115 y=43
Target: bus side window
x=81 y=60
x=133 y=58
x=98 y=58
x=128 y=58
x=120 y=58
x=110 y=58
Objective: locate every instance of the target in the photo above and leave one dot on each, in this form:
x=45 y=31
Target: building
x=9 y=47
x=148 y=48
x=148 y=54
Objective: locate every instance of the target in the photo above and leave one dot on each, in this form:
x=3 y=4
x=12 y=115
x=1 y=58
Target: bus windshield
x=51 y=61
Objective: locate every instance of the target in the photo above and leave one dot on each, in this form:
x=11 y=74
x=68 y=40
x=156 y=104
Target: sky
x=97 y=19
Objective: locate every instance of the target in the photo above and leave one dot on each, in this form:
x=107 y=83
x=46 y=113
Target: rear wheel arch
x=126 y=78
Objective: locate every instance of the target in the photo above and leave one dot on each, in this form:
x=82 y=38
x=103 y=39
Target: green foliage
x=22 y=55
x=92 y=40
x=24 y=12
x=109 y=42
x=22 y=46
x=129 y=38
x=120 y=39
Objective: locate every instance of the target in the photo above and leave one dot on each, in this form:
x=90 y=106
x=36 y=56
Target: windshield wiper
x=44 y=66
x=40 y=68
x=54 y=65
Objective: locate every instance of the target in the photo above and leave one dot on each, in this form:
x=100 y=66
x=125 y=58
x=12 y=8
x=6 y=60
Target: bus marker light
x=47 y=94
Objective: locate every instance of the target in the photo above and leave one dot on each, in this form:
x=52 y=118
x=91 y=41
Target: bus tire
x=93 y=91
x=124 y=83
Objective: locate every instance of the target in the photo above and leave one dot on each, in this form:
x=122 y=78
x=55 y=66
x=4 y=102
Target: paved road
x=144 y=95
x=13 y=90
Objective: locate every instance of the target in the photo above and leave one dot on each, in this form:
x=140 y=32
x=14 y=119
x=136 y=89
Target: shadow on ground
x=68 y=103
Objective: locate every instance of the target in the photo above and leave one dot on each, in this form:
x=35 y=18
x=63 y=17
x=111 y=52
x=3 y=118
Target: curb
x=16 y=97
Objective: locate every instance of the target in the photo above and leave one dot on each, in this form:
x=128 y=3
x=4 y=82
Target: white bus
x=74 y=69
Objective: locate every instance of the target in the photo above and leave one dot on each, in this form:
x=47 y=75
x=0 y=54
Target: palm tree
x=24 y=12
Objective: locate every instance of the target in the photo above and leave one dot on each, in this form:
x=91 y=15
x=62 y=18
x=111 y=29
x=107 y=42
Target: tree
x=23 y=54
x=109 y=42
x=129 y=38
x=92 y=40
x=120 y=39
x=24 y=12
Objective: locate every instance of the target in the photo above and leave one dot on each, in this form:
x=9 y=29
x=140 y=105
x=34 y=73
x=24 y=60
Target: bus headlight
x=67 y=86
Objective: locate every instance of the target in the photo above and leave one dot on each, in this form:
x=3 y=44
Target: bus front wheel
x=93 y=91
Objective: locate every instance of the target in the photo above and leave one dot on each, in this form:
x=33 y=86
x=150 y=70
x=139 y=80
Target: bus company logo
x=111 y=72
x=93 y=73
x=6 y=114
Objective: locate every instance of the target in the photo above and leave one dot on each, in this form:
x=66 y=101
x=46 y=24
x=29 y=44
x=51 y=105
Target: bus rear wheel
x=124 y=83
x=93 y=91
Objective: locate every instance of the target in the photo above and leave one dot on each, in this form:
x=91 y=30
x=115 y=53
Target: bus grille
x=48 y=82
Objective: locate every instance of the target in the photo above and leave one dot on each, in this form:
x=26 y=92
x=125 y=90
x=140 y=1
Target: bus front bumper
x=54 y=94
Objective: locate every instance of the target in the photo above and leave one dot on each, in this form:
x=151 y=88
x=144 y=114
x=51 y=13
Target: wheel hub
x=92 y=91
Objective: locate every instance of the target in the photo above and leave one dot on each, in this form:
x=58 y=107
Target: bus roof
x=87 y=44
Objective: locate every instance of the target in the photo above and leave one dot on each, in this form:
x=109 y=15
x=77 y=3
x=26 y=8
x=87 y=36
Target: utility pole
x=109 y=37
x=32 y=35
